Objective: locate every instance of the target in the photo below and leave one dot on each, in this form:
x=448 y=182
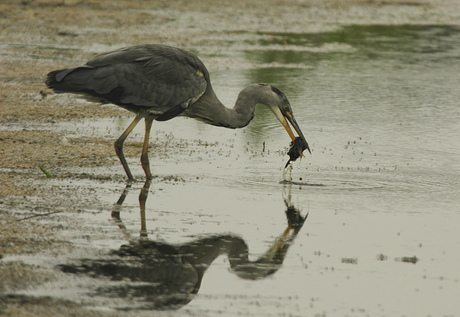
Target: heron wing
x=157 y=77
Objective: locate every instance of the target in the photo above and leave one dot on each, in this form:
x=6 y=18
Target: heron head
x=283 y=111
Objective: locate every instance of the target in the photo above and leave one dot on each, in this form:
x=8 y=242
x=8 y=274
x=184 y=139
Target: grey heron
x=159 y=82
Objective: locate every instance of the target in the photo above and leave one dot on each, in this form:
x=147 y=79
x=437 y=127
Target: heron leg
x=145 y=149
x=121 y=140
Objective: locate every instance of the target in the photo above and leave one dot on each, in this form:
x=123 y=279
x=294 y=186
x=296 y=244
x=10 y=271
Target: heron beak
x=288 y=128
x=296 y=127
x=282 y=118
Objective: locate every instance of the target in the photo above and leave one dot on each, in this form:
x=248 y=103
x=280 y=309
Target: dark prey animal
x=296 y=150
x=159 y=82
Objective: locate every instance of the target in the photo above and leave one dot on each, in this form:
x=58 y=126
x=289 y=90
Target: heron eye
x=286 y=108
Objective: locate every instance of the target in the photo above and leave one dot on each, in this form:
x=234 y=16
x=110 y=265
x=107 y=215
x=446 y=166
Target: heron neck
x=210 y=110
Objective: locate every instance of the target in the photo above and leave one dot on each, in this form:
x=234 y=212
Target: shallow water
x=380 y=108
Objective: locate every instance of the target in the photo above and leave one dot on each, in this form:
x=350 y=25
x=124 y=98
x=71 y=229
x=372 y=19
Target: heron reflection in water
x=157 y=275
x=159 y=82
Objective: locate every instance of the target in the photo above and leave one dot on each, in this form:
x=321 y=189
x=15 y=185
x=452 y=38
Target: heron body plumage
x=147 y=76
x=159 y=82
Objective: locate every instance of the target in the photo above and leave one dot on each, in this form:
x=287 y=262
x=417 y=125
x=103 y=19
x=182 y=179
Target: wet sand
x=39 y=36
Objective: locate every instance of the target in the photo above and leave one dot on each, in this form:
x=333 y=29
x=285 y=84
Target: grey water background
x=379 y=105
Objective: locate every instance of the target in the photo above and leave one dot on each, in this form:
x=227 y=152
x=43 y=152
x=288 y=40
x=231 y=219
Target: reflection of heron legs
x=116 y=211
x=142 y=199
x=121 y=140
x=145 y=148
